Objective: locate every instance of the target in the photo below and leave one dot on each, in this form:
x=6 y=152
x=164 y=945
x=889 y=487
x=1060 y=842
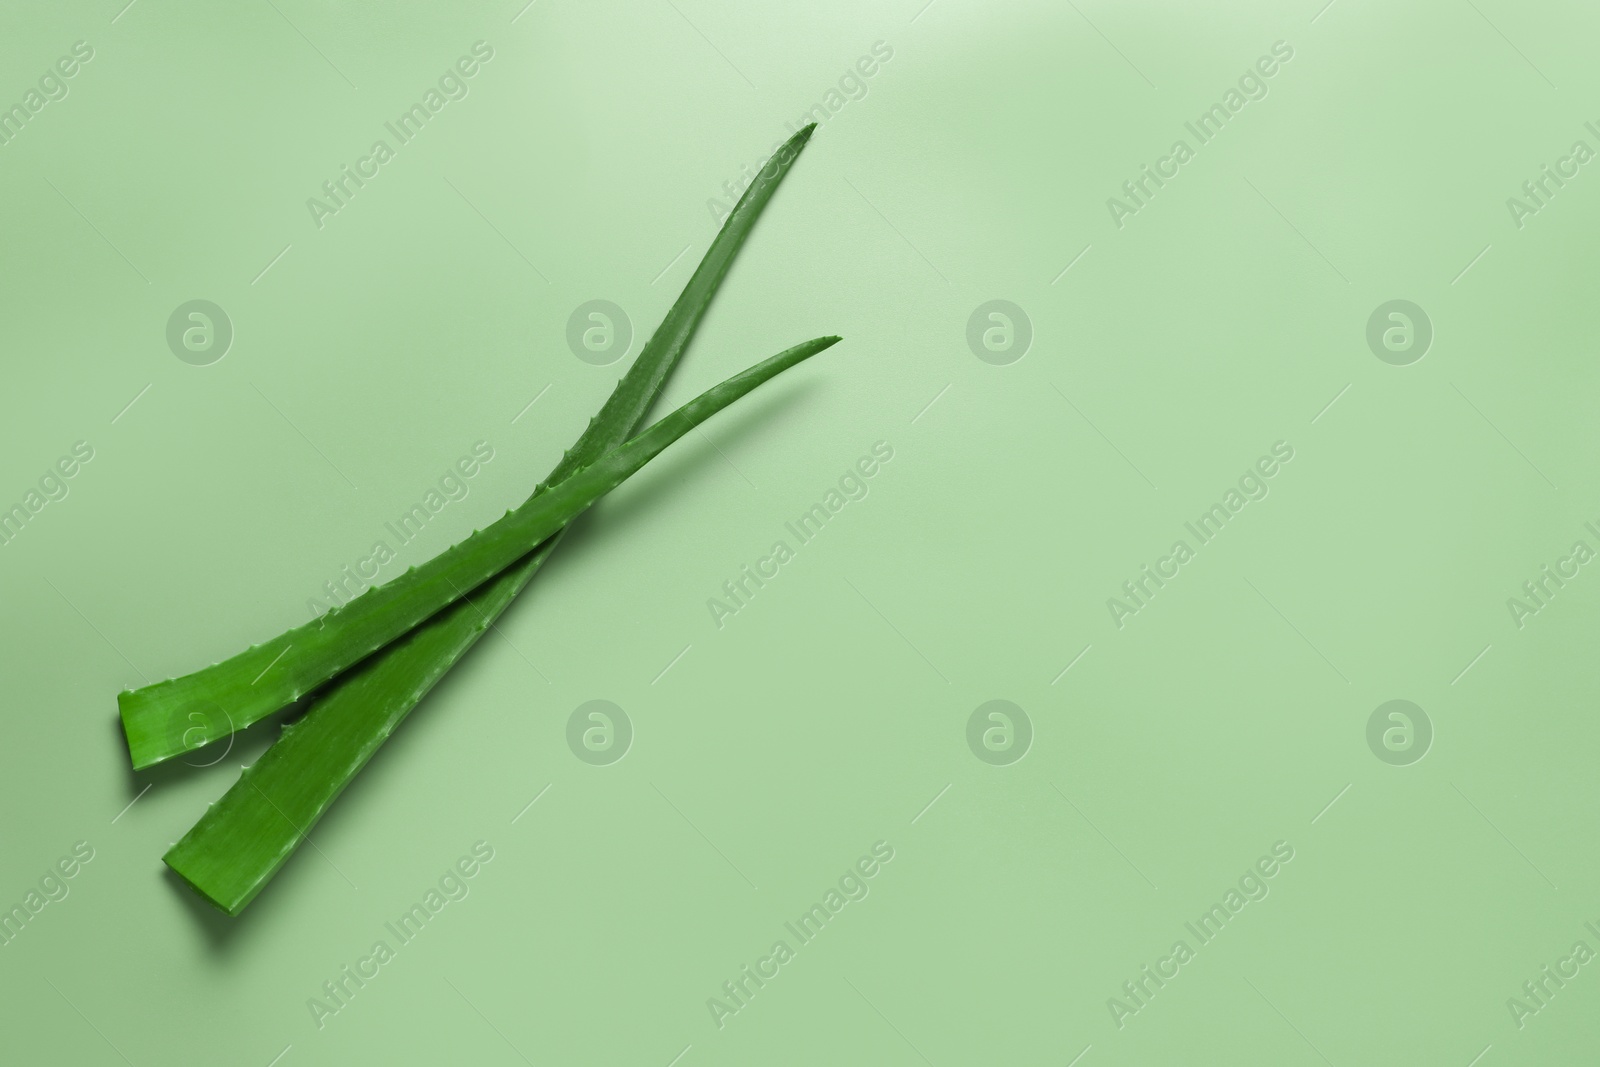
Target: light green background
x=829 y=713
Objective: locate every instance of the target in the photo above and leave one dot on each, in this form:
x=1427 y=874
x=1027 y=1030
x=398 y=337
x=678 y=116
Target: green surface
x=768 y=755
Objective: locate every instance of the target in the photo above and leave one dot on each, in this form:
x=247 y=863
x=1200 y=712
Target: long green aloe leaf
x=274 y=674
x=243 y=839
x=172 y=717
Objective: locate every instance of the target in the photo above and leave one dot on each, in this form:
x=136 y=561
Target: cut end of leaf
x=144 y=749
x=174 y=862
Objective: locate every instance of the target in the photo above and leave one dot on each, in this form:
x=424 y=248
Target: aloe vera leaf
x=202 y=718
x=240 y=842
x=276 y=673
